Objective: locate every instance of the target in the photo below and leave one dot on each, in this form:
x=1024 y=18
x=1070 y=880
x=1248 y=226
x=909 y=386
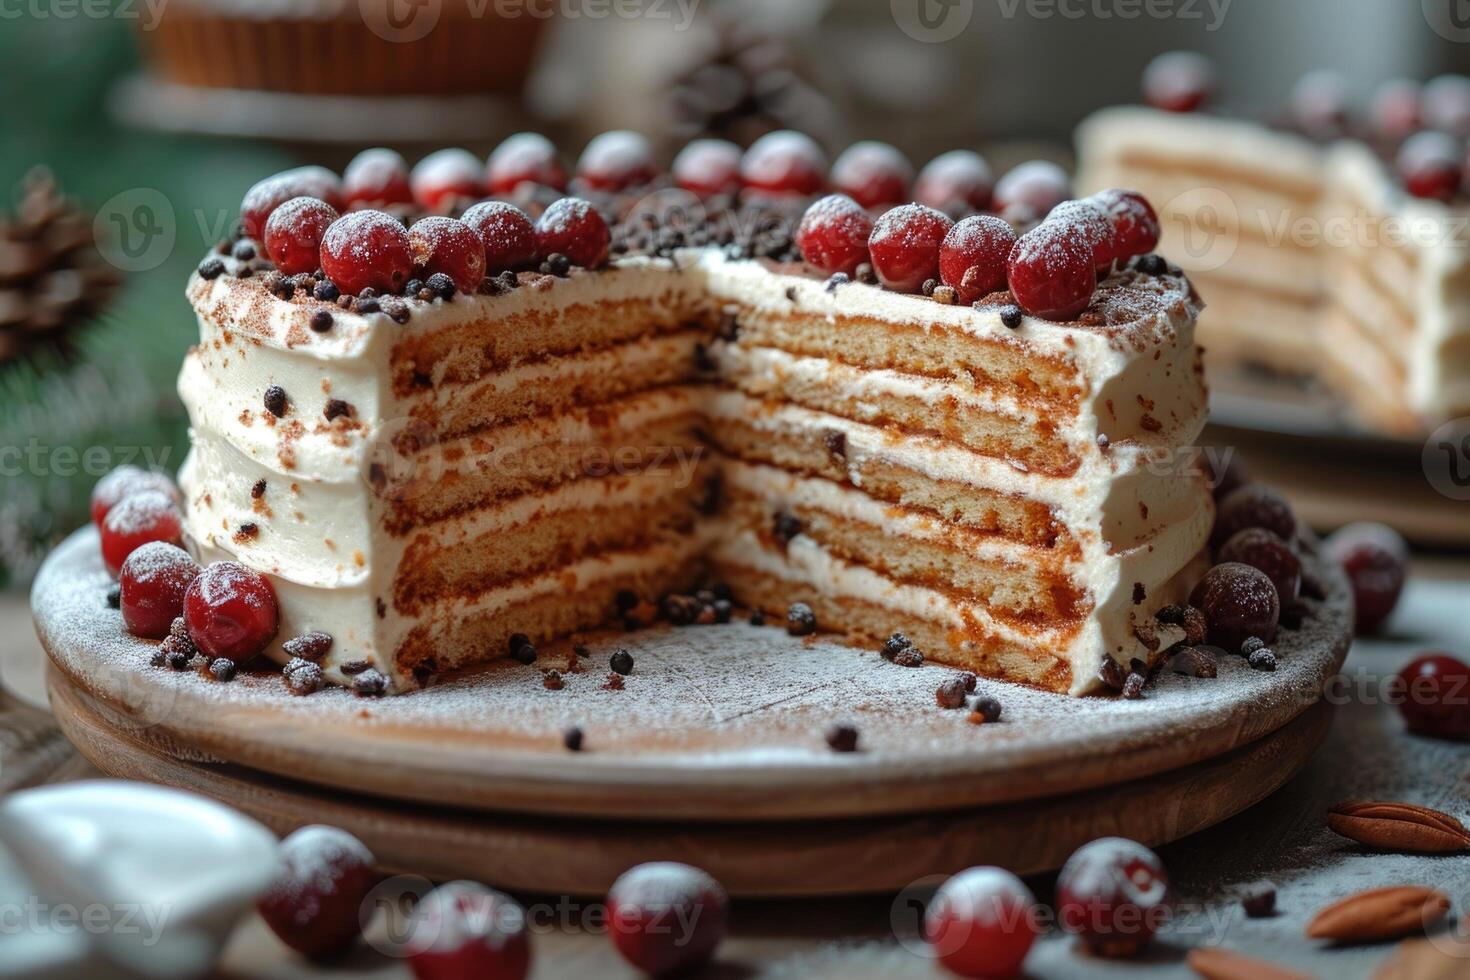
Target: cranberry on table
x=367 y=250
x=525 y=158
x=378 y=176
x=1135 y=224
x=445 y=176
x=315 y=903
x=450 y=247
x=150 y=515
x=507 y=233
x=1253 y=505
x=1376 y=560
x=1435 y=689
x=982 y=923
x=1114 y=895
x=873 y=174
x=1032 y=189
x=905 y=246
x=294 y=231
x=231 y=612
x=574 y=228
x=833 y=235
x=1263 y=550
x=617 y=160
x=152 y=584
x=1239 y=602
x=1394 y=110
x=1429 y=164
x=1179 y=81
x=959 y=180
x=708 y=166
x=1051 y=271
x=785 y=162
x=466 y=930
x=267 y=195
x=973 y=256
x=665 y=917
x=124 y=482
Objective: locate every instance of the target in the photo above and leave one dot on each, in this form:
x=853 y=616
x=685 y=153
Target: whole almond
x=1402 y=827
x=1214 y=963
x=1382 y=913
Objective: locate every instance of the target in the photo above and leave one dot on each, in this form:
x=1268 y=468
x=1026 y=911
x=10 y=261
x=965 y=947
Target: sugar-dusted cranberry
x=982 y=923
x=1088 y=216
x=1394 y=111
x=152 y=584
x=379 y=177
x=1051 y=271
x=666 y=917
x=1029 y=192
x=464 y=929
x=231 y=611
x=1253 y=505
x=445 y=176
x=124 y=482
x=575 y=229
x=1261 y=549
x=148 y=515
x=1435 y=688
x=833 y=235
x=506 y=232
x=1135 y=224
x=1114 y=895
x=269 y=194
x=905 y=246
x=525 y=158
x=708 y=167
x=448 y=246
x=315 y=903
x=1429 y=165
x=293 y=234
x=1376 y=560
x=1319 y=103
x=1239 y=602
x=785 y=162
x=973 y=256
x=1225 y=470
x=367 y=250
x=873 y=174
x=1445 y=103
x=955 y=182
x=1179 y=81
x=616 y=160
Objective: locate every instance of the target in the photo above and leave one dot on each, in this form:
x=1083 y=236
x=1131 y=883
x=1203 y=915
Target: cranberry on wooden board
x=957 y=181
x=1435 y=693
x=1179 y=81
x=666 y=917
x=268 y=194
x=367 y=250
x=315 y=904
x=873 y=174
x=833 y=235
x=1263 y=550
x=972 y=258
x=525 y=158
x=784 y=162
x=150 y=515
x=1114 y=895
x=1239 y=603
x=445 y=176
x=294 y=232
x=1253 y=505
x=982 y=923
x=1376 y=560
x=124 y=482
x=507 y=233
x=231 y=612
x=377 y=176
x=707 y=167
x=905 y=246
x=466 y=931
x=152 y=584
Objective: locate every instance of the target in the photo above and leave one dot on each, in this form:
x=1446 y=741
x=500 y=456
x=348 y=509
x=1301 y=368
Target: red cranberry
x=315 y=903
x=1376 y=560
x=905 y=246
x=231 y=612
x=149 y=515
x=785 y=162
x=379 y=177
x=573 y=227
x=617 y=160
x=873 y=174
x=448 y=246
x=506 y=232
x=833 y=235
x=1178 y=81
x=973 y=256
x=1319 y=101
x=1436 y=696
x=982 y=923
x=124 y=482
x=1030 y=191
x=525 y=158
x=955 y=182
x=467 y=930
x=1225 y=471
x=1088 y=216
x=1260 y=549
x=153 y=581
x=1114 y=894
x=293 y=234
x=1445 y=103
x=271 y=193
x=665 y=917
x=1239 y=602
x=1135 y=225
x=1429 y=165
x=1253 y=506
x=1051 y=271
x=708 y=167
x=445 y=176
x=367 y=249
x=1395 y=111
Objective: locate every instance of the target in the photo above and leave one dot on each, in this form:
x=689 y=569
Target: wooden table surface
x=1367 y=756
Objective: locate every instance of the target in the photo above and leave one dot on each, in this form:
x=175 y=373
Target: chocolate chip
x=842 y=738
x=558 y=265
x=244 y=250
x=581 y=650
x=211 y=268
x=309 y=646
x=508 y=280
x=370 y=684
x=336 y=408
x=951 y=693
x=1251 y=645
x=864 y=274
x=894 y=645
x=1011 y=316
x=302 y=676
x=757 y=618
x=176 y=660
x=552 y=680
x=1133 y=685
x=909 y=658
x=724 y=609
x=1262 y=659
x=835 y=441
x=572 y=739
x=441 y=285
x=222 y=669
x=800 y=619
x=114 y=596
x=521 y=650
x=987 y=708
x=247 y=532
x=366 y=306
x=322 y=321
x=1152 y=265
x=1259 y=900
x=326 y=290
x=785 y=527
x=276 y=401
x=257 y=491
x=621 y=662
x=398 y=311
x=680 y=610
x=354 y=667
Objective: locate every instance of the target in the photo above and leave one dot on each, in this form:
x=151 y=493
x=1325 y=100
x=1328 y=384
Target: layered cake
x=1327 y=247
x=452 y=442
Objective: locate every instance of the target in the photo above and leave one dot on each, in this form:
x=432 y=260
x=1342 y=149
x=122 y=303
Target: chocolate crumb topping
x=248 y=531
x=1151 y=265
x=1263 y=659
x=842 y=738
x=951 y=693
x=258 y=490
x=614 y=682
x=836 y=442
x=308 y=646
x=1112 y=673
x=785 y=527
x=1133 y=685
x=354 y=667
x=757 y=617
x=370 y=684
x=302 y=677
x=336 y=408
x=1139 y=593
x=894 y=645
x=621 y=662
x=1259 y=900
x=244 y=250
x=910 y=657
x=552 y=680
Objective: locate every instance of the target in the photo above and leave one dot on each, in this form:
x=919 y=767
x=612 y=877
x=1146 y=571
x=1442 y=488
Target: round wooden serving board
x=716 y=723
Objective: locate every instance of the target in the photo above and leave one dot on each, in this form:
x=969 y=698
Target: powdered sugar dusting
x=563 y=216
x=663 y=884
x=620 y=151
x=985 y=896
x=363 y=234
x=313 y=860
x=868 y=159
x=138 y=512
x=156 y=558
x=448 y=166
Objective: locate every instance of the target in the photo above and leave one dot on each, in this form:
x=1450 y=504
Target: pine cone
x=52 y=278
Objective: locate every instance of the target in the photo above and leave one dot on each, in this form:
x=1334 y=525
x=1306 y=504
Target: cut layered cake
x=1327 y=247
x=442 y=441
